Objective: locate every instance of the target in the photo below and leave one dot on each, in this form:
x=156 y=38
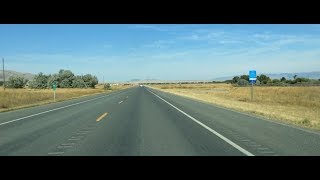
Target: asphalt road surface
x=141 y=121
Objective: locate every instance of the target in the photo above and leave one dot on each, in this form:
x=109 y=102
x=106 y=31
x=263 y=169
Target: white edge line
x=208 y=128
x=19 y=119
x=245 y=113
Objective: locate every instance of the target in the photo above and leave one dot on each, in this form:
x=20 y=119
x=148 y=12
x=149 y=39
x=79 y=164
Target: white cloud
x=204 y=36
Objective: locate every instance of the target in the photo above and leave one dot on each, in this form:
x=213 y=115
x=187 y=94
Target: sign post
x=54 y=87
x=252 y=80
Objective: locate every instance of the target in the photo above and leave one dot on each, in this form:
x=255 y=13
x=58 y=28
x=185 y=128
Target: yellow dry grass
x=297 y=105
x=19 y=98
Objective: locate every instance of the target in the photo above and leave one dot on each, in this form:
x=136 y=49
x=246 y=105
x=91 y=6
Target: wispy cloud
x=204 y=36
x=159 y=44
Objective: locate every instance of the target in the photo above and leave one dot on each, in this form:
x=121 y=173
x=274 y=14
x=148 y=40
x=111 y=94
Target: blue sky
x=168 y=51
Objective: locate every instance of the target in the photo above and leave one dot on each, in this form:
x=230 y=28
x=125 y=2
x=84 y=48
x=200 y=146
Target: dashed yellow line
x=102 y=116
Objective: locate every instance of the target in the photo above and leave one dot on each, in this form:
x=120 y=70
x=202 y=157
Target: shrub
x=276 y=81
x=107 y=86
x=16 y=82
x=235 y=79
x=242 y=82
x=78 y=83
x=39 y=81
x=245 y=77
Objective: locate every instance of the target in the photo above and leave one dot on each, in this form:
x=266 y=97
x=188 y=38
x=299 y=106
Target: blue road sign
x=252 y=75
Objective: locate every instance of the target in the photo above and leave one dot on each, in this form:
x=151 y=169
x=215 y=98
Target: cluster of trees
x=63 y=79
x=264 y=79
x=15 y=82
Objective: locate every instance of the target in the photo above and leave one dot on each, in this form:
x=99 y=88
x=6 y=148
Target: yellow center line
x=102 y=116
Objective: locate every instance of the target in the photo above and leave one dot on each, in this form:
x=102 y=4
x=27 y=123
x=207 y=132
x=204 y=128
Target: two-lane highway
x=141 y=121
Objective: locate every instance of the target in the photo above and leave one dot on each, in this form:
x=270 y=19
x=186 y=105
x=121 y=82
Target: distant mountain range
x=310 y=75
x=163 y=81
x=9 y=73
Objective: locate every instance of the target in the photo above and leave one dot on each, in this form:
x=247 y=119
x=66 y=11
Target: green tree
x=90 y=81
x=294 y=77
x=16 y=82
x=263 y=79
x=65 y=84
x=40 y=81
x=235 y=79
x=65 y=78
x=53 y=79
x=289 y=81
x=78 y=82
x=245 y=77
x=300 y=80
x=276 y=81
x=283 y=79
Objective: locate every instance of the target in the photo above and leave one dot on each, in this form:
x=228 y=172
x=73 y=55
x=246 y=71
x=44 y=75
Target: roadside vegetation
x=264 y=80
x=63 y=79
x=25 y=97
x=299 y=105
x=20 y=93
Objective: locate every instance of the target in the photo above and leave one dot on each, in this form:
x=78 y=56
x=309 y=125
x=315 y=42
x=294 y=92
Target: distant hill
x=136 y=81
x=9 y=73
x=310 y=75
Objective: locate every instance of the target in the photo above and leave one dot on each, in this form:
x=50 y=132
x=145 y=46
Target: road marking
x=120 y=102
x=208 y=128
x=102 y=116
x=244 y=113
x=74 y=139
x=19 y=119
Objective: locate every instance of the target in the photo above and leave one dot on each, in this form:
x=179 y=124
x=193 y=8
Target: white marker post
x=54 y=87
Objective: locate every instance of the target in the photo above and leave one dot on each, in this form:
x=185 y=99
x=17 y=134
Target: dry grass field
x=296 y=105
x=19 y=98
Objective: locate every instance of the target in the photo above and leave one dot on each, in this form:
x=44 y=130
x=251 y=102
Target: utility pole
x=4 y=78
